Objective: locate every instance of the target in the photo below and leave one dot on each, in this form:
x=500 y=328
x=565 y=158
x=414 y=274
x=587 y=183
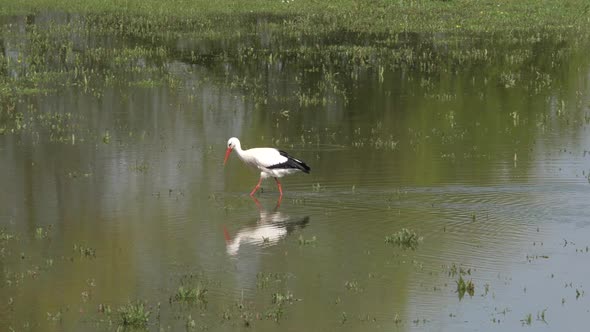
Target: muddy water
x=130 y=200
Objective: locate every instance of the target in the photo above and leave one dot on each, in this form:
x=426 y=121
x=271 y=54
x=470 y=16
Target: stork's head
x=231 y=144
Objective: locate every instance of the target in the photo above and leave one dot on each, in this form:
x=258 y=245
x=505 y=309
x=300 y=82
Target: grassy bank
x=132 y=43
x=351 y=15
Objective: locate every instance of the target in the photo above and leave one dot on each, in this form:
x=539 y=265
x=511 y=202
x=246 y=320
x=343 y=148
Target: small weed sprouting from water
x=106 y=138
x=141 y=167
x=405 y=239
x=190 y=323
x=316 y=187
x=57 y=317
x=579 y=293
x=134 y=315
x=278 y=301
x=305 y=242
x=541 y=316
x=275 y=313
x=264 y=279
x=5 y=236
x=85 y=251
x=528 y=319
x=465 y=286
x=352 y=286
x=40 y=233
x=455 y=270
x=343 y=318
x=191 y=294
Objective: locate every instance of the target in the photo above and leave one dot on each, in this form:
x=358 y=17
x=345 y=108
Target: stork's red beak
x=227 y=152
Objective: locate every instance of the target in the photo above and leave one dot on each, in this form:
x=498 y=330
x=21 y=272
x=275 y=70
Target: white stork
x=269 y=161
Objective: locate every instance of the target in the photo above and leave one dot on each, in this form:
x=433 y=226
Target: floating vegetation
x=405 y=239
x=134 y=314
x=465 y=287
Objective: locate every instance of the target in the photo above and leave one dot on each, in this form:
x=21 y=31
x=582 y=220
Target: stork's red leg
x=257 y=203
x=278 y=203
x=256 y=188
x=280 y=187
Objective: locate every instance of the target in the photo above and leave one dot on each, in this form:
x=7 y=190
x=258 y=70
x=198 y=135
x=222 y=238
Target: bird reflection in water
x=270 y=228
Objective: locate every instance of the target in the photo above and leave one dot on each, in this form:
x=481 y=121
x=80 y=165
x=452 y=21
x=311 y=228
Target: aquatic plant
x=528 y=319
x=84 y=251
x=465 y=286
x=305 y=242
x=541 y=316
x=405 y=239
x=4 y=236
x=263 y=279
x=353 y=286
x=191 y=294
x=134 y=314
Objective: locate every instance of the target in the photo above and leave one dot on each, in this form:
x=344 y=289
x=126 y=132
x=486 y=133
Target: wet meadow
x=449 y=145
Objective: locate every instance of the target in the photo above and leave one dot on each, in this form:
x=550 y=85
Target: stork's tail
x=294 y=163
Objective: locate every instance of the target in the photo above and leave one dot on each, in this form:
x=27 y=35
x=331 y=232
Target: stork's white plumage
x=269 y=161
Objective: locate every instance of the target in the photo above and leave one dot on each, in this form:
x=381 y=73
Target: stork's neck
x=241 y=153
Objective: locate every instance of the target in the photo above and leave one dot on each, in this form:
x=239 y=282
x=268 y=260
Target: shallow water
x=131 y=200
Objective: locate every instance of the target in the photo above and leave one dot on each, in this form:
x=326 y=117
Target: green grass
x=332 y=41
x=311 y=16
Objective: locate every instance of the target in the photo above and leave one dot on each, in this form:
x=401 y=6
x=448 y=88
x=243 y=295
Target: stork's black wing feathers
x=291 y=163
